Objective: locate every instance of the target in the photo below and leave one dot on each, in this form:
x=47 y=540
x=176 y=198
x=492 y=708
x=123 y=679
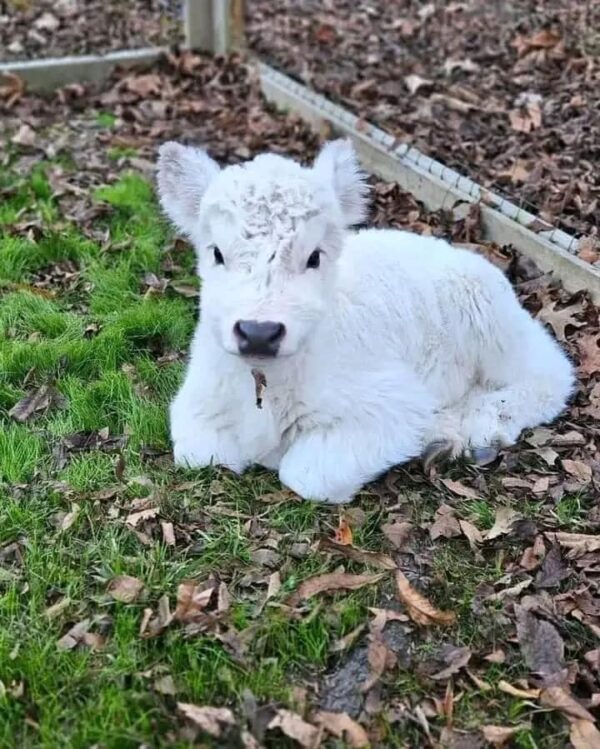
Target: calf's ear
x=183 y=174
x=338 y=164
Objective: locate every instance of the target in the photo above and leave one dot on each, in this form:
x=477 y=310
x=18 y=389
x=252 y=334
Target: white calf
x=374 y=344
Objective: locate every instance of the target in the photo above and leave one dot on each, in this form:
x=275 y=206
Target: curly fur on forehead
x=268 y=196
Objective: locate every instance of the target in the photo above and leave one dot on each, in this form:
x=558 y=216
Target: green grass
x=100 y=343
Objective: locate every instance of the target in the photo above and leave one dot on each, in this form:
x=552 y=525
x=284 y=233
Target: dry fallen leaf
x=457 y=488
x=343 y=533
x=145 y=85
x=533 y=555
x=74 y=636
x=168 y=533
x=588 y=249
x=25 y=136
x=52 y=612
x=526 y=119
x=498 y=736
x=445 y=523
x=211 y=720
x=496 y=656
x=295 y=727
x=343 y=727
x=192 y=599
x=134 y=518
x=165 y=685
x=544 y=39
x=151 y=626
x=40 y=400
x=260 y=383
x=589 y=353
x=584 y=735
x=419 y=608
x=377 y=656
x=465 y=66
x=505 y=517
x=578 y=544
x=472 y=533
x=455 y=658
x=397 y=533
x=559 y=320
x=125 y=588
x=374 y=558
x=70 y=517
x=274 y=585
x=580 y=470
x=558 y=698
x=541 y=645
x=12 y=89
x=330 y=583
x=524 y=694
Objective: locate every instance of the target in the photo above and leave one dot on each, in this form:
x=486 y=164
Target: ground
x=31 y=29
x=504 y=92
x=460 y=605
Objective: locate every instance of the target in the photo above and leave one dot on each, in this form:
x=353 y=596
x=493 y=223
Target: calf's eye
x=219 y=260
x=314 y=260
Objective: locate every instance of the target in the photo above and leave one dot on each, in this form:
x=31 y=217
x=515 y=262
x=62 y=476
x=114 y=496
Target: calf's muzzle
x=258 y=338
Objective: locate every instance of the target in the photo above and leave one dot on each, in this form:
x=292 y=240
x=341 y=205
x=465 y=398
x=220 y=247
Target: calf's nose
x=258 y=338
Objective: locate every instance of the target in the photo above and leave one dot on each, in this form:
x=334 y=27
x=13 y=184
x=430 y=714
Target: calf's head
x=267 y=234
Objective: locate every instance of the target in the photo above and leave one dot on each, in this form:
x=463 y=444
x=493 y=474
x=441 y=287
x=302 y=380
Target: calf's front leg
x=199 y=440
x=331 y=465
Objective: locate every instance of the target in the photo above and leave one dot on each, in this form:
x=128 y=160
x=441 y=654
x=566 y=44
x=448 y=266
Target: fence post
x=214 y=25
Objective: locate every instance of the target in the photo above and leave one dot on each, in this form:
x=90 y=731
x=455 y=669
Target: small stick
x=260 y=383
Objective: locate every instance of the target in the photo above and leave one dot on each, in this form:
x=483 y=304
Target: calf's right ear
x=183 y=175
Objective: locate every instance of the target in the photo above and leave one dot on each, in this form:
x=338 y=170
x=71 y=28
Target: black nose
x=258 y=338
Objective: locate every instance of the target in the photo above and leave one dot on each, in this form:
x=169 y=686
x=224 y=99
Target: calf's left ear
x=183 y=175
x=338 y=164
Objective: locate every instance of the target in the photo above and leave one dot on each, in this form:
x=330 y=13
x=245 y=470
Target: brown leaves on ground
x=343 y=727
x=295 y=727
x=331 y=583
x=79 y=634
x=397 y=532
x=211 y=720
x=40 y=400
x=125 y=588
x=373 y=558
x=576 y=544
x=499 y=736
x=420 y=610
x=439 y=97
x=542 y=647
x=584 y=735
x=559 y=698
x=343 y=533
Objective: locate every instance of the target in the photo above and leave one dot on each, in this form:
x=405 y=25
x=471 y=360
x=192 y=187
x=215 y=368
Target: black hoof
x=437 y=453
x=483 y=456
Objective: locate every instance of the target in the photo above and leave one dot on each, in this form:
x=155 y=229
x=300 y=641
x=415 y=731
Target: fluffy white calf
x=374 y=344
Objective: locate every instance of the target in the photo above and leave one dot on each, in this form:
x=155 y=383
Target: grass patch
x=114 y=354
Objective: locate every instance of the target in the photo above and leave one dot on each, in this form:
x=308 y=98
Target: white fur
x=394 y=342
